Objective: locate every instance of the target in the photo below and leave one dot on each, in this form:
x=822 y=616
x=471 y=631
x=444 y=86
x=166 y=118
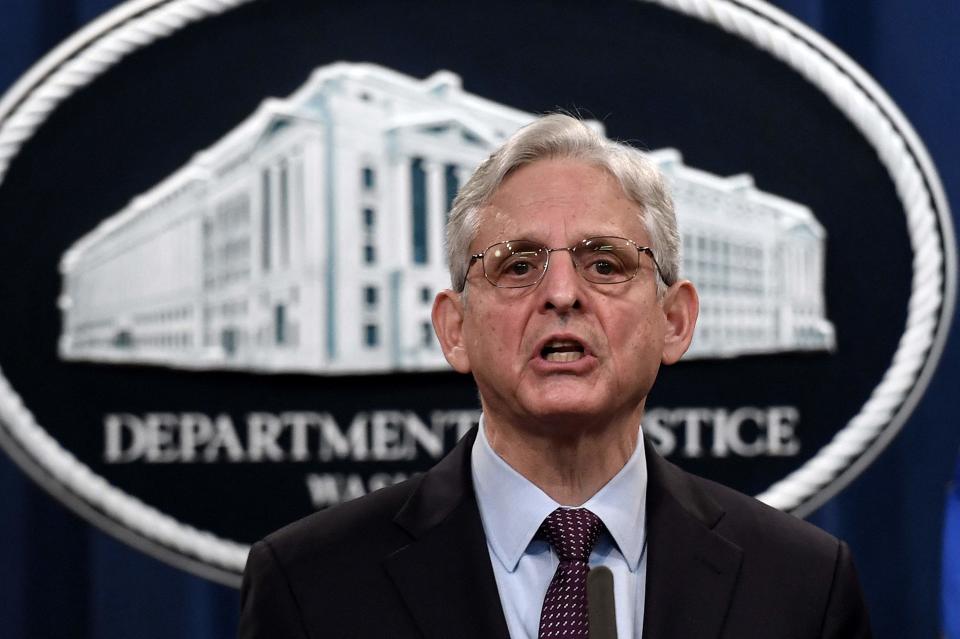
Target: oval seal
x=223 y=227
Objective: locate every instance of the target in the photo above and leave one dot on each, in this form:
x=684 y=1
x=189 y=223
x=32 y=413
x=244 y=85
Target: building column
x=400 y=211
x=297 y=212
x=284 y=212
x=436 y=212
x=263 y=220
x=276 y=248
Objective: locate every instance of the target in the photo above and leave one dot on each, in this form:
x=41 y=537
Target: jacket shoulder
x=324 y=571
x=792 y=579
x=790 y=570
x=748 y=517
x=745 y=521
x=751 y=523
x=365 y=522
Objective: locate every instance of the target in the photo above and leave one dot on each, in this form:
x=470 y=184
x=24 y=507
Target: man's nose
x=562 y=286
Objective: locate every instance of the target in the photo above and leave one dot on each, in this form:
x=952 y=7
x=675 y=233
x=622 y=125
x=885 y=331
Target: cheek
x=638 y=362
x=490 y=337
x=640 y=343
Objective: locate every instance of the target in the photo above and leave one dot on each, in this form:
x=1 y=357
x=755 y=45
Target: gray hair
x=563 y=136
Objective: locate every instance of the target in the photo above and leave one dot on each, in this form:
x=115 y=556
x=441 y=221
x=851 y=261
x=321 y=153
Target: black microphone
x=601 y=610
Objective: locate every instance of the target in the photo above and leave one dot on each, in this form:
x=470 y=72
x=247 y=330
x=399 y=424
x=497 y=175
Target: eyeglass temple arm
x=466 y=274
x=649 y=251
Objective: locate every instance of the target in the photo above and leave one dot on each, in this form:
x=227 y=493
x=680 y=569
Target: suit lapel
x=446 y=580
x=444 y=575
x=691 y=569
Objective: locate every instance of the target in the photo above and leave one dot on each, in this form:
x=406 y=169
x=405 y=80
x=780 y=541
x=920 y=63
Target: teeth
x=563 y=356
x=562 y=351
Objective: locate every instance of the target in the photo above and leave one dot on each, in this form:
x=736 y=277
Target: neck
x=568 y=464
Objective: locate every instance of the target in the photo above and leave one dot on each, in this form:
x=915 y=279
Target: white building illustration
x=757 y=261
x=310 y=239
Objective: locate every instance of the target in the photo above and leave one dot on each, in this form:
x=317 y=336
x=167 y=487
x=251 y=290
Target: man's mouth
x=562 y=351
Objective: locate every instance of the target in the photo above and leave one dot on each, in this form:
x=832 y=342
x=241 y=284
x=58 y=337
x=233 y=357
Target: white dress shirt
x=512 y=509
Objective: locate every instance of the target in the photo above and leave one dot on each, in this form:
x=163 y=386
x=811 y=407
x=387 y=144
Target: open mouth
x=562 y=351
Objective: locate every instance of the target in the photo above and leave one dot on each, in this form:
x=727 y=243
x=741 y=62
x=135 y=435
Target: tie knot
x=572 y=532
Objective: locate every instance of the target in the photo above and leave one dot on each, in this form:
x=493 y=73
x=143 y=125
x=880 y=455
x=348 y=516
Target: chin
x=568 y=406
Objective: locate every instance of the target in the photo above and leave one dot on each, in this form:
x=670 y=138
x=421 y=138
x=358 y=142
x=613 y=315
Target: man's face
x=564 y=350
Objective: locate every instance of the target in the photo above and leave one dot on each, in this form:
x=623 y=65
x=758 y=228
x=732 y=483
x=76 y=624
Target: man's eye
x=522 y=265
x=519 y=268
x=605 y=266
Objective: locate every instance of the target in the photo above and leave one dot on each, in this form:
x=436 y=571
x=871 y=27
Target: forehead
x=559 y=201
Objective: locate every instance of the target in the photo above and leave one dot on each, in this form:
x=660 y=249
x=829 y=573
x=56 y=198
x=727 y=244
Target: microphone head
x=601 y=610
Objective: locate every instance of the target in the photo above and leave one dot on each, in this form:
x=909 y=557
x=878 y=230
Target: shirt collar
x=622 y=506
x=512 y=507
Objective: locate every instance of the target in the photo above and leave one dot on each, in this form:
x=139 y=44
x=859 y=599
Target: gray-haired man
x=565 y=301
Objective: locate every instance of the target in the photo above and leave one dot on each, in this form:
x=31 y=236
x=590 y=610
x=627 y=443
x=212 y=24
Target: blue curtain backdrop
x=59 y=577
x=951 y=561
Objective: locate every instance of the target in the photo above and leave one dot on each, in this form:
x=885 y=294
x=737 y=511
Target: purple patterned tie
x=572 y=532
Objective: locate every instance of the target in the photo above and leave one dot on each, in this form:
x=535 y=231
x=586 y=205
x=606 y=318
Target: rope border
x=933 y=286
x=69 y=67
x=94 y=49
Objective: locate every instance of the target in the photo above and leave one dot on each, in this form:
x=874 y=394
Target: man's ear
x=448 y=323
x=681 y=305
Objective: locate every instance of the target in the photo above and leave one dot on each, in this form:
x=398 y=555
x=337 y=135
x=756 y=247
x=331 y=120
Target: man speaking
x=565 y=300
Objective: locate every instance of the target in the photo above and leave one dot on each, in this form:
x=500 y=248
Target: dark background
x=67 y=579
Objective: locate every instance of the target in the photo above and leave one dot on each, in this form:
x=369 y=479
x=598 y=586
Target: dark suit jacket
x=412 y=561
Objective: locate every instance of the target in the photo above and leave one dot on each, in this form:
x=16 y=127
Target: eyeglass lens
x=601 y=260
